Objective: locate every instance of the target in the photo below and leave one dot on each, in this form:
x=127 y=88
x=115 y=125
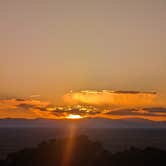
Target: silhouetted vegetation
x=80 y=151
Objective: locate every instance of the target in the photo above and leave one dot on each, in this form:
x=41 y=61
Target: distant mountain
x=82 y=123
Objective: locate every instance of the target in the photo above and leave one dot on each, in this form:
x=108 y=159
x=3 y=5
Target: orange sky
x=50 y=48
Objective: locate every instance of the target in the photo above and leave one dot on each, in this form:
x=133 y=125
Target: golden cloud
x=111 y=98
x=109 y=104
x=23 y=108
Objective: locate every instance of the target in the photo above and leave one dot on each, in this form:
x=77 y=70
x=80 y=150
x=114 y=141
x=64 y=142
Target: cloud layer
x=111 y=98
x=109 y=104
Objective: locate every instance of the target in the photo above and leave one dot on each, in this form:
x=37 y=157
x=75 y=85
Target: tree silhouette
x=80 y=151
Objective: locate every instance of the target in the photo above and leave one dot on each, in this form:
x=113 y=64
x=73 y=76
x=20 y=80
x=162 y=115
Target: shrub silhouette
x=137 y=157
x=80 y=151
x=54 y=152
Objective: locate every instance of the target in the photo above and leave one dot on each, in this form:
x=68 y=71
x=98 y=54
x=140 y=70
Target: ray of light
x=69 y=146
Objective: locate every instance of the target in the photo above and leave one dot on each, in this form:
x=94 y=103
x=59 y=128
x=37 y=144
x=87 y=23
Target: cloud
x=109 y=104
x=111 y=98
x=122 y=112
x=133 y=92
x=31 y=106
x=34 y=96
x=84 y=111
x=23 y=108
x=20 y=99
x=156 y=109
x=139 y=112
x=40 y=109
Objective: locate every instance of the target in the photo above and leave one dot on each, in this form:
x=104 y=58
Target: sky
x=56 y=48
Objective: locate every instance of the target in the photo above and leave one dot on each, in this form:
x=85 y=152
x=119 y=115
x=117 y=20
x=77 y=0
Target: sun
x=72 y=116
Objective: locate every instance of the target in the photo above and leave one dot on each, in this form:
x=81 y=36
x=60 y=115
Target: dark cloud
x=31 y=106
x=25 y=106
x=134 y=92
x=81 y=110
x=156 y=110
x=123 y=112
x=138 y=112
x=20 y=99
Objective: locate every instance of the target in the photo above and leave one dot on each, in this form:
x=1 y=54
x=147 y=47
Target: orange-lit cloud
x=111 y=98
x=23 y=108
x=108 y=104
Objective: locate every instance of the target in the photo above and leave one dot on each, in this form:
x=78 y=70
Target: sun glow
x=72 y=116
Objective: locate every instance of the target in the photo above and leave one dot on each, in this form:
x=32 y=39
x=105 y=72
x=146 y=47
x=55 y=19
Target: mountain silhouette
x=83 y=123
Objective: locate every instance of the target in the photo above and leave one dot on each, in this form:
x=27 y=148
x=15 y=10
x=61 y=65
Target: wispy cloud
x=34 y=96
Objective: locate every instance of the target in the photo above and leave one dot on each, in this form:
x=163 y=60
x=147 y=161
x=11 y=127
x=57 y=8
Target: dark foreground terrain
x=81 y=151
x=114 y=140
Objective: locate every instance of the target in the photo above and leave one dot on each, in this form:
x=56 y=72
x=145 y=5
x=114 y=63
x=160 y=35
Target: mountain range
x=82 y=123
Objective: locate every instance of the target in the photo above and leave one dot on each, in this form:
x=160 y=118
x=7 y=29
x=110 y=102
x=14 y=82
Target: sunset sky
x=92 y=58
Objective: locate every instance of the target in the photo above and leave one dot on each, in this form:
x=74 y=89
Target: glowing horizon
x=89 y=104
